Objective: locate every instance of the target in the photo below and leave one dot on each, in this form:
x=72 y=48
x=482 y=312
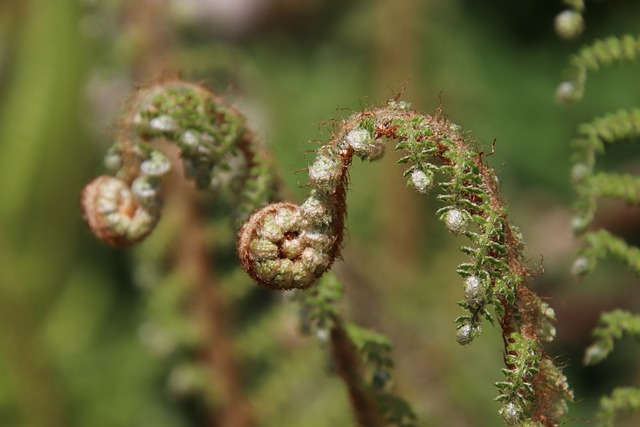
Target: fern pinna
x=591 y=184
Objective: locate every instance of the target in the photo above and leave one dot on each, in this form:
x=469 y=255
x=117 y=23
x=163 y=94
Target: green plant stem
x=356 y=353
x=212 y=317
x=348 y=367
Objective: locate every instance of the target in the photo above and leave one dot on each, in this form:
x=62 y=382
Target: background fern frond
x=621 y=399
x=613 y=325
x=601 y=53
x=590 y=186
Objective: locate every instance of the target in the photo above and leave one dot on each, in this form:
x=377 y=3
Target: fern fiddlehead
x=495 y=276
x=285 y=246
x=214 y=144
x=165 y=121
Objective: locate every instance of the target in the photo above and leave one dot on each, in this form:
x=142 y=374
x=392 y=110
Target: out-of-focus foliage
x=592 y=185
x=76 y=345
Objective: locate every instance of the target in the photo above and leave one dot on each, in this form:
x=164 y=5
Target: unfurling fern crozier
x=216 y=149
x=285 y=246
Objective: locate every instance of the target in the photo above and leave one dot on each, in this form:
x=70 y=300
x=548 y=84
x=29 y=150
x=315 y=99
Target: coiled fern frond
x=217 y=152
x=286 y=246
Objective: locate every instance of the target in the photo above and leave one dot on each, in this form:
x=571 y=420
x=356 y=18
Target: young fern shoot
x=286 y=246
x=186 y=307
x=214 y=144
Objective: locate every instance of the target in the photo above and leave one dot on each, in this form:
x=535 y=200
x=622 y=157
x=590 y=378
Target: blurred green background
x=72 y=321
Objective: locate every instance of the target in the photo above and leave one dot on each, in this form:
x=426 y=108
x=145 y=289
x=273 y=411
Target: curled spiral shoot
x=217 y=151
x=286 y=246
x=119 y=214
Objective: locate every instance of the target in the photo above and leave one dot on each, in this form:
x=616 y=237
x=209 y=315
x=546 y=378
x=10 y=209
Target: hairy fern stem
x=287 y=246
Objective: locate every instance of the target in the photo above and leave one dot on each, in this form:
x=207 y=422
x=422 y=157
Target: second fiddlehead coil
x=216 y=149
